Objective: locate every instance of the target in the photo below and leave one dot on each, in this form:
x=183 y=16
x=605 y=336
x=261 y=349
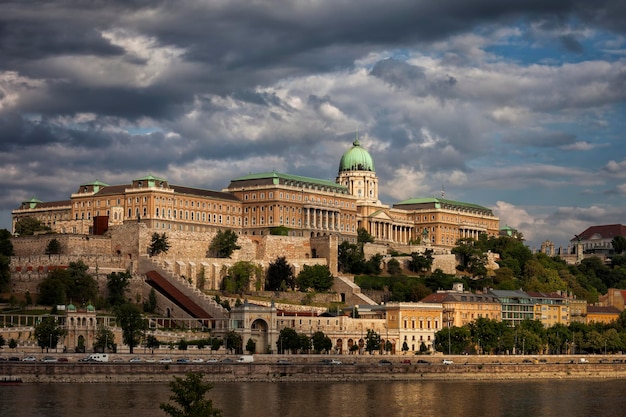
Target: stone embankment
x=275 y=372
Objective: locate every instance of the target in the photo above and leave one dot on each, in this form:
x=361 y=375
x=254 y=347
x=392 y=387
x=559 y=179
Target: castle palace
x=256 y=204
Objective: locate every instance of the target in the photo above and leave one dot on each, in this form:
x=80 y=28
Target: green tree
x=150 y=305
x=279 y=275
x=117 y=284
x=420 y=263
x=5 y=273
x=48 y=333
x=239 y=277
x=471 y=256
x=250 y=346
x=619 y=244
x=405 y=347
x=27 y=226
x=223 y=244
x=189 y=398
x=288 y=341
x=216 y=344
x=321 y=342
x=12 y=343
x=104 y=340
x=158 y=244
x=393 y=267
x=372 y=341
x=53 y=248
x=350 y=258
x=234 y=342
x=317 y=277
x=131 y=321
x=279 y=231
x=6 y=247
x=2 y=341
x=152 y=343
x=453 y=340
x=363 y=236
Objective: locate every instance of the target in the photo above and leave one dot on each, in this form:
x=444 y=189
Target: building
x=598 y=239
x=463 y=307
x=551 y=309
x=517 y=306
x=602 y=314
x=256 y=204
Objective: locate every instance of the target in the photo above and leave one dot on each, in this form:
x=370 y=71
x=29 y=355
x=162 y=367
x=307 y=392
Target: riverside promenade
x=309 y=368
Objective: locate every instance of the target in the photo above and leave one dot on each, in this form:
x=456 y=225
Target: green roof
x=438 y=202
x=152 y=180
x=356 y=159
x=278 y=178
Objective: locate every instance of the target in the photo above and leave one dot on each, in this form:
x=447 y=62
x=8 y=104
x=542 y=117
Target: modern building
x=551 y=309
x=517 y=306
x=255 y=204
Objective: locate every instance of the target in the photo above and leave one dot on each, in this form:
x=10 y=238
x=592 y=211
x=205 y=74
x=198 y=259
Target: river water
x=346 y=399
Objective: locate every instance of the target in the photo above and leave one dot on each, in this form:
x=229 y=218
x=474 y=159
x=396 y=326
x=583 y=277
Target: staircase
x=178 y=290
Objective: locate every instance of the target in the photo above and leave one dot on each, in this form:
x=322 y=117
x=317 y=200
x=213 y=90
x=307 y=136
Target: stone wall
x=82 y=245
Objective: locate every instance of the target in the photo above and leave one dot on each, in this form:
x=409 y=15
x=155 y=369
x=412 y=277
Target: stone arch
x=339 y=347
x=259 y=330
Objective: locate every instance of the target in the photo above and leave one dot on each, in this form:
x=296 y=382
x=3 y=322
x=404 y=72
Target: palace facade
x=255 y=204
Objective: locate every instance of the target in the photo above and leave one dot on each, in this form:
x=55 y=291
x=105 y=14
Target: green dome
x=90 y=308
x=71 y=307
x=356 y=159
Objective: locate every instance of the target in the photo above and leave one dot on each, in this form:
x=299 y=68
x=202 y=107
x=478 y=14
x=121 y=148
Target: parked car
x=63 y=359
x=197 y=360
x=423 y=362
x=29 y=359
x=165 y=360
x=447 y=362
x=227 y=360
x=135 y=360
x=85 y=359
x=183 y=360
x=384 y=362
x=406 y=362
x=335 y=362
x=212 y=360
x=283 y=362
x=48 y=359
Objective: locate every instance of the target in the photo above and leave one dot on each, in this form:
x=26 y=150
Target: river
x=363 y=399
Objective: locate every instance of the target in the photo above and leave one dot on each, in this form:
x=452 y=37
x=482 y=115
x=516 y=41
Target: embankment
x=123 y=372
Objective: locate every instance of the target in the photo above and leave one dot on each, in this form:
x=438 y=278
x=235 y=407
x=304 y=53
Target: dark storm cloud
x=570 y=43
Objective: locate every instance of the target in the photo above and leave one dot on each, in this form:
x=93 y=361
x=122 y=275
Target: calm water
x=389 y=399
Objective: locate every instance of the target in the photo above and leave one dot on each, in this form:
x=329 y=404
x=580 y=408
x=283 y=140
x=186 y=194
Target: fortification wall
x=81 y=245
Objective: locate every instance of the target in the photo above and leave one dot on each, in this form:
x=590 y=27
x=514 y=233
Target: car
x=405 y=362
x=63 y=359
x=165 y=360
x=212 y=360
x=29 y=359
x=3 y=359
x=384 y=362
x=14 y=359
x=150 y=360
x=48 y=359
x=423 y=362
x=135 y=360
x=117 y=360
x=335 y=362
x=85 y=359
x=197 y=360
x=227 y=360
x=447 y=362
x=325 y=361
x=283 y=362
x=183 y=360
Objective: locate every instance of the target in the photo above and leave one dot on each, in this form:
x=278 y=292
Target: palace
x=257 y=203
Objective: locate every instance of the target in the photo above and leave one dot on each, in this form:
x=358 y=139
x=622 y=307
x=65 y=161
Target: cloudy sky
x=516 y=105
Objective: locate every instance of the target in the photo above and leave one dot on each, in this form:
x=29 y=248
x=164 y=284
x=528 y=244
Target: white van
x=246 y=359
x=99 y=357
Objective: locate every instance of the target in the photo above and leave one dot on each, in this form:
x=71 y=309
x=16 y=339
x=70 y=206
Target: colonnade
x=382 y=230
x=324 y=219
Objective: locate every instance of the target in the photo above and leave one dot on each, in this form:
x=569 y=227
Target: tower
x=356 y=171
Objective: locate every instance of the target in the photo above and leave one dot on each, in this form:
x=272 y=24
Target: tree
x=363 y=236
x=317 y=277
x=421 y=263
x=223 y=244
x=117 y=284
x=6 y=247
x=73 y=284
x=188 y=395
x=133 y=326
x=619 y=244
x=152 y=343
x=471 y=256
x=12 y=343
x=27 y=226
x=405 y=347
x=48 y=333
x=372 y=341
x=393 y=267
x=5 y=272
x=234 y=342
x=287 y=341
x=251 y=346
x=105 y=339
x=2 y=341
x=279 y=275
x=53 y=248
x=321 y=342
x=453 y=340
x=350 y=258
x=159 y=244
x=150 y=305
x=240 y=276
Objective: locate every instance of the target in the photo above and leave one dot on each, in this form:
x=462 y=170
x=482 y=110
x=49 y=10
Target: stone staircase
x=193 y=300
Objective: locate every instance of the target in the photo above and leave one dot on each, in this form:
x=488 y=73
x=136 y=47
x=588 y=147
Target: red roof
x=603 y=310
x=608 y=231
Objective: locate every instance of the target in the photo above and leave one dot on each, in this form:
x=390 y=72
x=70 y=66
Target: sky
x=515 y=105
